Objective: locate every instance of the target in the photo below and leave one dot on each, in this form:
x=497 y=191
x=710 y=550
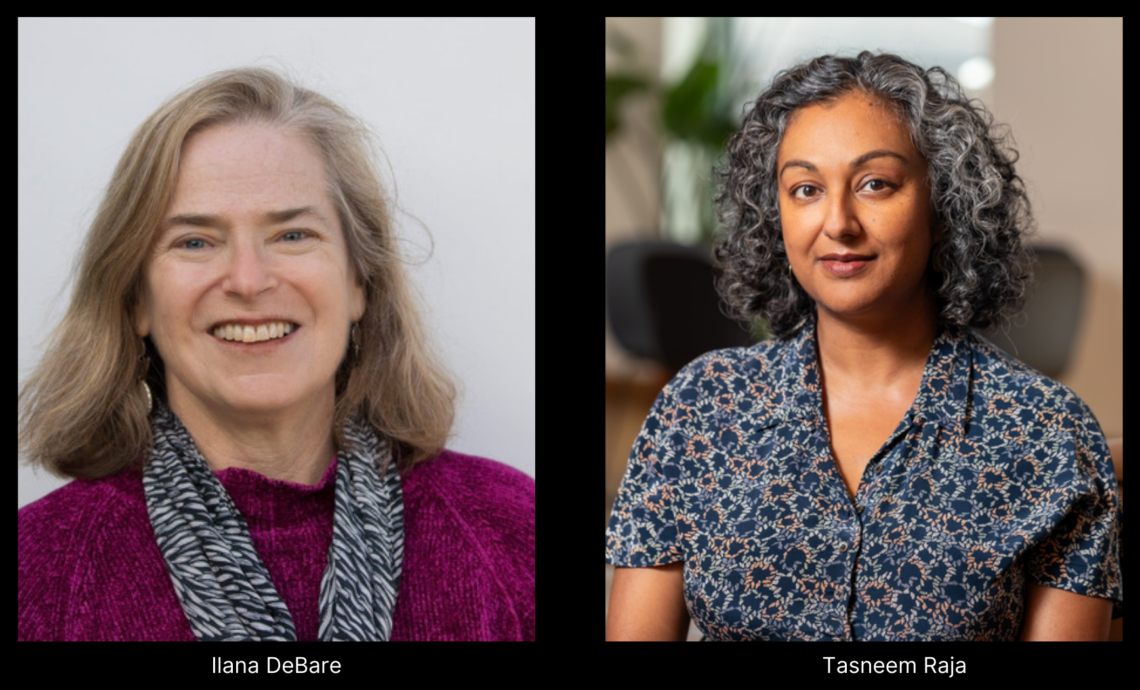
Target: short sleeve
x=643 y=526
x=1081 y=552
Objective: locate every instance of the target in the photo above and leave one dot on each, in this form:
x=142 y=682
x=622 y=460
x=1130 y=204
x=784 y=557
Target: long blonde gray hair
x=83 y=412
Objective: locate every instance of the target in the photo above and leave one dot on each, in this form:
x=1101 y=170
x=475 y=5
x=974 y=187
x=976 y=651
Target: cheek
x=171 y=296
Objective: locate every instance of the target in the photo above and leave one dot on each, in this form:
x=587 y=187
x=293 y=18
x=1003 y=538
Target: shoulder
x=1040 y=425
x=491 y=499
x=469 y=546
x=756 y=370
x=472 y=478
x=1011 y=388
x=78 y=510
x=85 y=534
x=759 y=385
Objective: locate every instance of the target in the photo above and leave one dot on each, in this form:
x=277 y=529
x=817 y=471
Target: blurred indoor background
x=675 y=91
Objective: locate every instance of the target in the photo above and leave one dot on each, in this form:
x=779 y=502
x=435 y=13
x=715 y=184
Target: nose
x=840 y=220
x=249 y=269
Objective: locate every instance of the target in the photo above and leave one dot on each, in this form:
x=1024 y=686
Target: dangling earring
x=355 y=337
x=144 y=360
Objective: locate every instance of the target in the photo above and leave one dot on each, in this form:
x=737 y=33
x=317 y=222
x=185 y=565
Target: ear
x=140 y=316
x=358 y=302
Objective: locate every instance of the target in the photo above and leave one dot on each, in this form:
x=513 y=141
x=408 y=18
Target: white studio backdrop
x=451 y=102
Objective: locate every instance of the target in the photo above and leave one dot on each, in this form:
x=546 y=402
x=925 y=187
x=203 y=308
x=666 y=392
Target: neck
x=295 y=446
x=880 y=352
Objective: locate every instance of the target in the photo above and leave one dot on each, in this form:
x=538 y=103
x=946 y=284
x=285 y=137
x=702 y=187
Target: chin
x=262 y=398
x=846 y=307
x=255 y=407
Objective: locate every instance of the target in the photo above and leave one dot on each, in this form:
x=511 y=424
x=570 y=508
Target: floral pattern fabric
x=995 y=477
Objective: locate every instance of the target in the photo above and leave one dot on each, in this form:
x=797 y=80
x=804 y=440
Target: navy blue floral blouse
x=995 y=476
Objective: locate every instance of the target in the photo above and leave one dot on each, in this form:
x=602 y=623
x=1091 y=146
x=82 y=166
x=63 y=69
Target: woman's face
x=234 y=250
x=836 y=199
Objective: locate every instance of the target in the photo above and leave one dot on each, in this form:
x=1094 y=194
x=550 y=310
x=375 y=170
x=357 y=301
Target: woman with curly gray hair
x=878 y=471
x=979 y=213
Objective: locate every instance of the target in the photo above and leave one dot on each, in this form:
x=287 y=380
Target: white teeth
x=251 y=334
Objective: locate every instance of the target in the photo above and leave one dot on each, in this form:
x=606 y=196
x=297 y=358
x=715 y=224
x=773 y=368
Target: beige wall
x=633 y=167
x=1059 y=85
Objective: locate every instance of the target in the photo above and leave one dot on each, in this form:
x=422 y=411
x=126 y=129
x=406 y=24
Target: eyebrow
x=204 y=220
x=854 y=164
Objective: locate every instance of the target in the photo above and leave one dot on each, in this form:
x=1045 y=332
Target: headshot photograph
x=276 y=368
x=864 y=306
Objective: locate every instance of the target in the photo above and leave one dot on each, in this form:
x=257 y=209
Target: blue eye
x=201 y=243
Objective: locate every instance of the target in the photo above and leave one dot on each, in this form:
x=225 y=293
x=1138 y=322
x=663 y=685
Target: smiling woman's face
x=228 y=254
x=836 y=199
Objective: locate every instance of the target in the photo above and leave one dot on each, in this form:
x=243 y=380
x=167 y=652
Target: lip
x=845 y=268
x=263 y=346
x=848 y=256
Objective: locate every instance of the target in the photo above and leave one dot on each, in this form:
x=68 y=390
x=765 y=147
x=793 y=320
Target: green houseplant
x=695 y=120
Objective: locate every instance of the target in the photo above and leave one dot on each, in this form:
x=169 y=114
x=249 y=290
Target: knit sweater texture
x=90 y=568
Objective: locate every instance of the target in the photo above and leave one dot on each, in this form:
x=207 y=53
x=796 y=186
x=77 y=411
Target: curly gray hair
x=980 y=264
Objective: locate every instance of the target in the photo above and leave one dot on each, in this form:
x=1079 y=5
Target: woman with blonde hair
x=245 y=394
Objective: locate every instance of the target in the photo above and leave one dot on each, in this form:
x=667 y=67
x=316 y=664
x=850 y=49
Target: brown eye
x=885 y=185
x=802 y=186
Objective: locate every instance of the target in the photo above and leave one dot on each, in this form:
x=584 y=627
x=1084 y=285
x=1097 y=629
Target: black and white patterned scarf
x=221 y=582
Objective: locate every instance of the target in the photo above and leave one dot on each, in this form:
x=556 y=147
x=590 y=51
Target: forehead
x=837 y=132
x=239 y=169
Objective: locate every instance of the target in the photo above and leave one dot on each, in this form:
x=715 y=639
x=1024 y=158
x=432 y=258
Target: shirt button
x=859 y=509
x=878 y=469
x=842 y=547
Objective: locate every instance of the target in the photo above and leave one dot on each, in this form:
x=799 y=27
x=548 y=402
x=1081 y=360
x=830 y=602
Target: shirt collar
x=942 y=395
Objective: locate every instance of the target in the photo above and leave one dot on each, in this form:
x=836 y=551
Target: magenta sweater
x=90 y=568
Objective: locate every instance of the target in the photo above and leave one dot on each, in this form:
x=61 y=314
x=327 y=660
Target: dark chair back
x=662 y=303
x=1051 y=317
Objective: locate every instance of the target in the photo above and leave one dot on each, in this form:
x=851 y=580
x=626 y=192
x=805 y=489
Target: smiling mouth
x=264 y=334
